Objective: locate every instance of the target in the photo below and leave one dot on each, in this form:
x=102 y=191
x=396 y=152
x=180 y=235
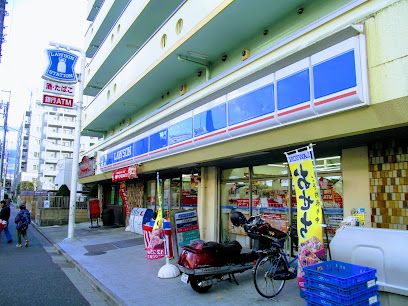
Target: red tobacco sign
x=58 y=101
x=124 y=174
x=86 y=167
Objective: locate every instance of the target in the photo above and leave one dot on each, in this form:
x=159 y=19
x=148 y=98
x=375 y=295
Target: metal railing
x=60 y=202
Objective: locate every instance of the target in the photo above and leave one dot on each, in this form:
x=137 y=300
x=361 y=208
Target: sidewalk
x=115 y=261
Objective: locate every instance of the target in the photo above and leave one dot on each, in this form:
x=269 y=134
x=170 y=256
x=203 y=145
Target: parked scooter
x=204 y=263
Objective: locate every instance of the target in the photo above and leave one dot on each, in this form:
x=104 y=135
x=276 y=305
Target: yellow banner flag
x=159 y=219
x=309 y=204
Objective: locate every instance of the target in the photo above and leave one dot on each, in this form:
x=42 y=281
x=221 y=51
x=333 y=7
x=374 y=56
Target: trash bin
x=108 y=217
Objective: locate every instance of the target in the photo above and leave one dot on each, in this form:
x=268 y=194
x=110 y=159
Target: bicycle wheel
x=265 y=270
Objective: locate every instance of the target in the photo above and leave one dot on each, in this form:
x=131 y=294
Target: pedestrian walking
x=7 y=199
x=5 y=216
x=22 y=220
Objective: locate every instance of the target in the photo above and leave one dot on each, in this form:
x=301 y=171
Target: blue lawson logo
x=61 y=67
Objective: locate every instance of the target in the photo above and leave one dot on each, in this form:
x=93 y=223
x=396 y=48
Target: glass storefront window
x=331 y=188
x=171 y=195
x=270 y=198
x=234 y=196
x=166 y=197
x=236 y=173
x=175 y=193
x=270 y=195
x=270 y=170
x=178 y=192
x=189 y=190
x=151 y=194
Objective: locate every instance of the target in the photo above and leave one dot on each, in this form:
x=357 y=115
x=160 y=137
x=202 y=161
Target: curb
x=109 y=296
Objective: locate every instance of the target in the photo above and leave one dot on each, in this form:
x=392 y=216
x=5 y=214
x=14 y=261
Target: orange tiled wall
x=389 y=184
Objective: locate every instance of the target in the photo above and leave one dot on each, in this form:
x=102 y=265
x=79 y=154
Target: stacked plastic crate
x=339 y=283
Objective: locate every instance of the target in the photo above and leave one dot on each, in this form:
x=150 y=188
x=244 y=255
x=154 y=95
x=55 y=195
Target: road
x=38 y=275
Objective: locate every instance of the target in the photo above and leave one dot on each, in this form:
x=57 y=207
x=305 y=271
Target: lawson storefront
x=227 y=150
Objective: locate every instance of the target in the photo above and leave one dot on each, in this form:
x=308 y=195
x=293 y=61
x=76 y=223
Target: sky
x=30 y=27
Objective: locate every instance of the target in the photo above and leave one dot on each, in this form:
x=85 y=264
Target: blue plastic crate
x=339 y=273
x=368 y=299
x=345 y=299
x=311 y=284
x=360 y=304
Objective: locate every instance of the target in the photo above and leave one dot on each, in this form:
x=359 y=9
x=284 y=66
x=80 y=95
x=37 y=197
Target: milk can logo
x=61 y=66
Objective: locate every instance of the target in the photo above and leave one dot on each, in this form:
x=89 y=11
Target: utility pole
x=3 y=150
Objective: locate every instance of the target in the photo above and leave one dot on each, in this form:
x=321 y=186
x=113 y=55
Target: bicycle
x=273 y=267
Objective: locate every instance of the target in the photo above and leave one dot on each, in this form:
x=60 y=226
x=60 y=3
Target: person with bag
x=5 y=216
x=22 y=220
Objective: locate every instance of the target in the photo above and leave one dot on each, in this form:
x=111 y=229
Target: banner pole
x=168 y=270
x=321 y=200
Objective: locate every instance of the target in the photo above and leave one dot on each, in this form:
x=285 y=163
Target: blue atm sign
x=61 y=66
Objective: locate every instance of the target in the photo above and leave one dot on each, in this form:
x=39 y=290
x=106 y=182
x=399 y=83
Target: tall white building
x=47 y=138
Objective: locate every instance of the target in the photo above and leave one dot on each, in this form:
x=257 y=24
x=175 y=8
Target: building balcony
x=50 y=134
x=58 y=147
x=174 y=54
x=130 y=32
x=49 y=172
x=51 y=159
x=105 y=18
x=61 y=121
x=93 y=9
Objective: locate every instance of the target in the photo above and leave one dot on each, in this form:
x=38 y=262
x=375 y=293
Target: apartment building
x=211 y=94
x=47 y=135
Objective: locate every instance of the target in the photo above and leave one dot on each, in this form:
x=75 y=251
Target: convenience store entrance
x=179 y=192
x=267 y=190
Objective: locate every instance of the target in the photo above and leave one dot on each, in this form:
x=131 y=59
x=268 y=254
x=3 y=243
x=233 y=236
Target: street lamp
x=75 y=158
x=3 y=151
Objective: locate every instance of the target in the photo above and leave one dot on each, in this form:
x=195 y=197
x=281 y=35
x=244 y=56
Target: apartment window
x=52 y=154
x=34 y=167
x=66 y=154
x=36 y=154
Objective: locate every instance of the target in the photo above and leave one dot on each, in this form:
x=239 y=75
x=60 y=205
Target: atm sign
x=58 y=101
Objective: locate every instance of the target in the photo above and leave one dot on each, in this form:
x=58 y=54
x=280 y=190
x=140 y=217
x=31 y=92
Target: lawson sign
x=61 y=66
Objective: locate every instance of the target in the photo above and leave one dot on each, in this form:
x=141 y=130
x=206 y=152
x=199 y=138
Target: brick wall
x=389 y=184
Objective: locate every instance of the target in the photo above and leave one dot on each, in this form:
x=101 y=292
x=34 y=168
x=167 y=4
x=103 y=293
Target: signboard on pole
x=59 y=88
x=58 y=101
x=61 y=66
x=186 y=228
x=86 y=167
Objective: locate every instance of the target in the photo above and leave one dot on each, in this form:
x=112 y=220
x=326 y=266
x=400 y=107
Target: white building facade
x=48 y=138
